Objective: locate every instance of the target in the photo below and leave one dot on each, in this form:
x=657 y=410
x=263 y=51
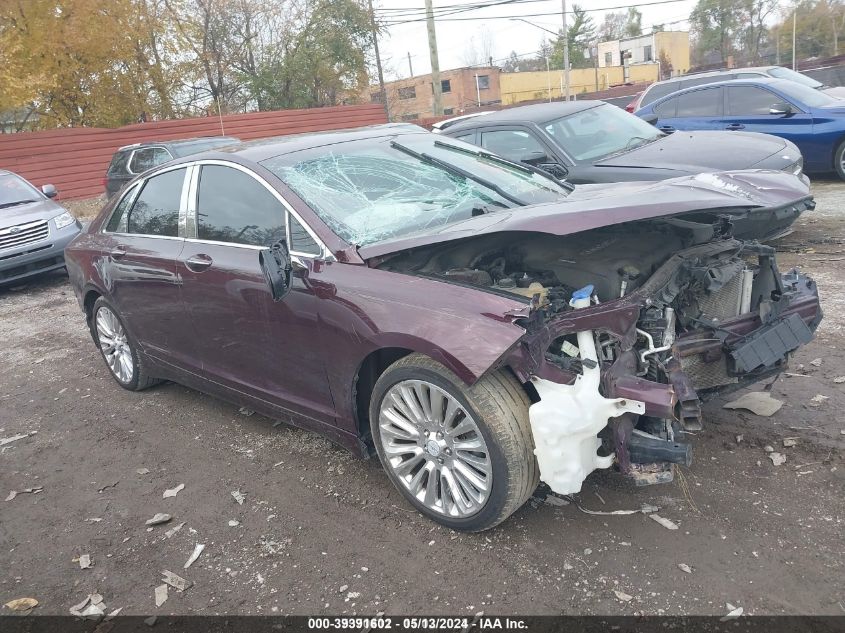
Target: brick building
x=413 y=98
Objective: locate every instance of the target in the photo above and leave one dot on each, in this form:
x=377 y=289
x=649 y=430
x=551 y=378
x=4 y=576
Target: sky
x=507 y=34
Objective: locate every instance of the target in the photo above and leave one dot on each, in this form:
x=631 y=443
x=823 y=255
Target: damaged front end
x=629 y=328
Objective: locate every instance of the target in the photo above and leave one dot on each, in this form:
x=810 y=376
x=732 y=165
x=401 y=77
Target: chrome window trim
x=136 y=190
x=324 y=253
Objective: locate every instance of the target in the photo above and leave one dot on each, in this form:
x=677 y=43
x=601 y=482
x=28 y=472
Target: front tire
x=839 y=160
x=463 y=456
x=118 y=349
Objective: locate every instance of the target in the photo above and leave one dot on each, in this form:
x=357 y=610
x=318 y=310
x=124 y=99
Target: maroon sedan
x=477 y=324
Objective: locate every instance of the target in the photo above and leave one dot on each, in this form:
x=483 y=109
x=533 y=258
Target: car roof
x=263 y=149
x=535 y=113
x=180 y=142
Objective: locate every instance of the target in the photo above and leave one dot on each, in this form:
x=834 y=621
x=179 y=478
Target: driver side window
x=515 y=145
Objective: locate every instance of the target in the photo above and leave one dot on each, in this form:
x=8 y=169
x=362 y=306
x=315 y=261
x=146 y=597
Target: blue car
x=811 y=119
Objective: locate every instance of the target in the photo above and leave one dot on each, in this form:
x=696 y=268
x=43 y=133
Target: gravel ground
x=323 y=532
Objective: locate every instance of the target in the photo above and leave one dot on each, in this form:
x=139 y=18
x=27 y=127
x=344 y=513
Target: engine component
x=644 y=448
x=567 y=419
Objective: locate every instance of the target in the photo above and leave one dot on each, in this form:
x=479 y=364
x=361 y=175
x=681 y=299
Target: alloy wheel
x=114 y=345
x=435 y=448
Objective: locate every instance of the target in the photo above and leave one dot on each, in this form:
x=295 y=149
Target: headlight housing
x=63 y=219
x=795 y=168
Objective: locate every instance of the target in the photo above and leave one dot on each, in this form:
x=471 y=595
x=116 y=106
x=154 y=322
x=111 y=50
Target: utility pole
x=565 y=51
x=435 y=63
x=378 y=60
x=794 y=13
x=777 y=47
x=410 y=66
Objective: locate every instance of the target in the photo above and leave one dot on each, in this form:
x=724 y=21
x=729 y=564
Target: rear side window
x=699 y=103
x=148 y=157
x=516 y=145
x=117 y=221
x=749 y=100
x=658 y=91
x=118 y=165
x=234 y=207
x=156 y=209
x=667 y=109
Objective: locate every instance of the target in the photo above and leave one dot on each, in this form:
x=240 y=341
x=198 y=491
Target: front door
x=247 y=342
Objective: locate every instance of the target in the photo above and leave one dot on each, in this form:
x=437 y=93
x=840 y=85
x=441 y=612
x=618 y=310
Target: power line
x=388 y=22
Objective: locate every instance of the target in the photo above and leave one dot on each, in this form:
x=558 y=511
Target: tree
x=516 y=64
x=818 y=27
x=714 y=24
x=479 y=51
x=612 y=27
x=633 y=23
x=580 y=36
x=74 y=62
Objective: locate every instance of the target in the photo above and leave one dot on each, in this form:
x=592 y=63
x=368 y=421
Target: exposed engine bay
x=629 y=328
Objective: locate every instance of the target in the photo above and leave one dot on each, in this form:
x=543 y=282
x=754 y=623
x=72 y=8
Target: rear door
x=700 y=109
x=139 y=265
x=748 y=109
x=250 y=344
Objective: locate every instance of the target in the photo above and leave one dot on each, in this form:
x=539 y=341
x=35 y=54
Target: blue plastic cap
x=584 y=293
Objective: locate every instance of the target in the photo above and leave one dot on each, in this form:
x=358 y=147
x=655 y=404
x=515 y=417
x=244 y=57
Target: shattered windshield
x=599 y=132
x=377 y=189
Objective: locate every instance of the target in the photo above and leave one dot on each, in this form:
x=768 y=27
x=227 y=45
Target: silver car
x=34 y=229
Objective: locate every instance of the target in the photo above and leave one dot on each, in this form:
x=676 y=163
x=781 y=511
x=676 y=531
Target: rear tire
x=120 y=352
x=839 y=160
x=463 y=456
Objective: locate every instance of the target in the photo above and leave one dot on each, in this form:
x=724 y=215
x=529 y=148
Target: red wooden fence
x=76 y=159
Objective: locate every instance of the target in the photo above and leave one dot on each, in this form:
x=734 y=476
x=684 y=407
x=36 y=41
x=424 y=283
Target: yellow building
x=672 y=47
x=535 y=85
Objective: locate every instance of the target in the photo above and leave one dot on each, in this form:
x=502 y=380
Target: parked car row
x=529 y=295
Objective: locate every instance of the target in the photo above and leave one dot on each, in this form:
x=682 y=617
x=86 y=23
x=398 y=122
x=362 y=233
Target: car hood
x=23 y=213
x=691 y=151
x=594 y=206
x=835 y=91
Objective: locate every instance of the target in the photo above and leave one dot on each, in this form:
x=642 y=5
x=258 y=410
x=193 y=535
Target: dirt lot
x=323 y=532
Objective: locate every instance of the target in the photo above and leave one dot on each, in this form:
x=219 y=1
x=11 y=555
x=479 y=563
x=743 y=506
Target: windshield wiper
x=457 y=171
x=523 y=167
x=15 y=203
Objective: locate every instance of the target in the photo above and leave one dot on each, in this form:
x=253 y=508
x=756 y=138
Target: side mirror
x=276 y=264
x=555 y=169
x=651 y=119
x=50 y=191
x=781 y=109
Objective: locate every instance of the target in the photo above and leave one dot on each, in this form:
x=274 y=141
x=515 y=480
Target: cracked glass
x=368 y=191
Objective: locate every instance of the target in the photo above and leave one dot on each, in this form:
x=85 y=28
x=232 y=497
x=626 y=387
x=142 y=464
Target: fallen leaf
x=172 y=492
x=789 y=441
x=239 y=496
x=817 y=400
x=816 y=362
x=685 y=568
x=733 y=614
x=174 y=529
x=245 y=411
x=758 y=402
x=85 y=561
x=234 y=523
x=15 y=438
x=623 y=596
x=22 y=604
x=142 y=471
x=839 y=380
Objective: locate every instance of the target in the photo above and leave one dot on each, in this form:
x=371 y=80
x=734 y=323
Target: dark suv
x=131 y=160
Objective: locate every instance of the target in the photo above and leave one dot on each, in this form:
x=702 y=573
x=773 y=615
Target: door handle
x=198 y=263
x=666 y=128
x=735 y=126
x=117 y=252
